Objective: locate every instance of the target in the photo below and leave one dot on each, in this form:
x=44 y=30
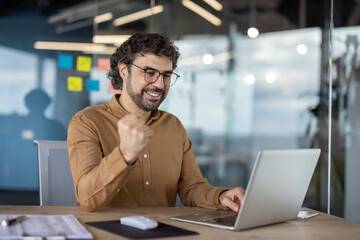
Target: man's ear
x=123 y=71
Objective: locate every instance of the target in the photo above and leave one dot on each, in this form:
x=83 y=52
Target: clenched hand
x=134 y=136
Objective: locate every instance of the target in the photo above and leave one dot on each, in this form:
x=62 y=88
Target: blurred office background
x=240 y=91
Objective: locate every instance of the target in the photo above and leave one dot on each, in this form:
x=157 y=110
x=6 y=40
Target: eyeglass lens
x=152 y=75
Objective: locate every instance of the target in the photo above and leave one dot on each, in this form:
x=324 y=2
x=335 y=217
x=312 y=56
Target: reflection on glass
x=22 y=119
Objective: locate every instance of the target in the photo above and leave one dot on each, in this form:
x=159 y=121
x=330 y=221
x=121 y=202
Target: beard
x=147 y=106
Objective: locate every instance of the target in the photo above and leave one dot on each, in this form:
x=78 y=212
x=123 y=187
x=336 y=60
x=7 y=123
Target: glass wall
x=26 y=113
x=345 y=122
x=236 y=94
x=256 y=95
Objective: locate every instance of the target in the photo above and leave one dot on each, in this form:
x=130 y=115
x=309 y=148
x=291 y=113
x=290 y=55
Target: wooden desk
x=322 y=226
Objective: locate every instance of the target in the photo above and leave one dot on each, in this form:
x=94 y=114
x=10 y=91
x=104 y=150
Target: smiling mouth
x=154 y=94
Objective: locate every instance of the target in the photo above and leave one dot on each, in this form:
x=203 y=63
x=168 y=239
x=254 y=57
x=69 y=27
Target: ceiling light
x=301 y=49
x=208 y=59
x=112 y=39
x=270 y=77
x=250 y=79
x=107 y=51
x=253 y=32
x=214 y=4
x=103 y=17
x=138 y=15
x=202 y=12
x=70 y=46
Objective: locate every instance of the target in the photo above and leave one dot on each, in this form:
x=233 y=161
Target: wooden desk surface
x=322 y=226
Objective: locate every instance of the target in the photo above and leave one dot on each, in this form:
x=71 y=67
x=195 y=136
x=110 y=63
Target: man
x=129 y=153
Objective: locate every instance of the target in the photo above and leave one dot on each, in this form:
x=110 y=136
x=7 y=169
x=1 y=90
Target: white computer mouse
x=139 y=222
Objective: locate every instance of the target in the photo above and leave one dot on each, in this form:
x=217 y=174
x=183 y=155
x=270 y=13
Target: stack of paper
x=44 y=226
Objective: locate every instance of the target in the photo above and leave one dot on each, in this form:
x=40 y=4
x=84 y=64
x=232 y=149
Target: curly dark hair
x=140 y=43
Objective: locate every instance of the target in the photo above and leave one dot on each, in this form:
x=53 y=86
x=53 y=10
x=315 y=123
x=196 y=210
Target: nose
x=159 y=82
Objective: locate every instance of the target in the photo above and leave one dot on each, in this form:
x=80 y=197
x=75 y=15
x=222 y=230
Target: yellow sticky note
x=83 y=64
x=75 y=84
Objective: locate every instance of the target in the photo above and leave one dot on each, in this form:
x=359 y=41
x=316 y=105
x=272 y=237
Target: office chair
x=56 y=187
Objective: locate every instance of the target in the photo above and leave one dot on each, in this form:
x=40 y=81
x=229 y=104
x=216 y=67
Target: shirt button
x=118 y=190
x=145 y=155
x=147 y=183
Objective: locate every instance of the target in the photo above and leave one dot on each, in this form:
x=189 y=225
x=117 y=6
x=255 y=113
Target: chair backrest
x=56 y=187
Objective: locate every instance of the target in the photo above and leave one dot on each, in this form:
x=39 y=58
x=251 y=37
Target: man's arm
x=96 y=178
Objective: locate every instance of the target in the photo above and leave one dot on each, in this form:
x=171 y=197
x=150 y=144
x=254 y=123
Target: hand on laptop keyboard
x=232 y=198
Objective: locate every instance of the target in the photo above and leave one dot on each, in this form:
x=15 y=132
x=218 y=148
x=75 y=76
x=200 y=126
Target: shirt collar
x=120 y=112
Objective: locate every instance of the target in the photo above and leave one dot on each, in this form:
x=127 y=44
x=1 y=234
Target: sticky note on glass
x=93 y=85
x=83 y=64
x=75 y=84
x=112 y=90
x=103 y=64
x=65 y=61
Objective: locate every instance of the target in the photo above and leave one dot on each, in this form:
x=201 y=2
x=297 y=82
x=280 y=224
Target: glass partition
x=346 y=124
x=250 y=97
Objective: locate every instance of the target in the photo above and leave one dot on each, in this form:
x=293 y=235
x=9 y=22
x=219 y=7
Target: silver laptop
x=275 y=192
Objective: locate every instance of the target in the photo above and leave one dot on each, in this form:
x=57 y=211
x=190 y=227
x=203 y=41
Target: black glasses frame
x=165 y=75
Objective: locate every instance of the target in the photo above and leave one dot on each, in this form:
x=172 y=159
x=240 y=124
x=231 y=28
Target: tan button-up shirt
x=167 y=165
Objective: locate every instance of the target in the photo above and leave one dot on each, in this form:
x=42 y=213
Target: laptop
x=275 y=192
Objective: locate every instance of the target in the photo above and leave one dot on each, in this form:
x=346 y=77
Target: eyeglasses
x=152 y=75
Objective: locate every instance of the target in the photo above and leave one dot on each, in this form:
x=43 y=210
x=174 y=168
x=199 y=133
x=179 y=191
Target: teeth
x=153 y=94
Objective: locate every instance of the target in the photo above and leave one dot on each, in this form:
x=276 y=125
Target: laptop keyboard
x=227 y=221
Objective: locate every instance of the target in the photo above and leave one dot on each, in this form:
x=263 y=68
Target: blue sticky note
x=65 y=61
x=93 y=85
